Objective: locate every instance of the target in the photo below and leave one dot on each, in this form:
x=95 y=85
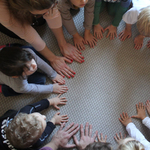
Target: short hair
x=98 y=146
x=143 y=23
x=23 y=131
x=131 y=145
x=13 y=60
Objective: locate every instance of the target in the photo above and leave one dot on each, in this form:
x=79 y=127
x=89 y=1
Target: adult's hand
x=86 y=138
x=61 y=67
x=71 y=52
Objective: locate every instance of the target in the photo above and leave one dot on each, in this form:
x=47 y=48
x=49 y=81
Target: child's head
x=143 y=23
x=79 y=3
x=130 y=144
x=25 y=129
x=98 y=146
x=15 y=62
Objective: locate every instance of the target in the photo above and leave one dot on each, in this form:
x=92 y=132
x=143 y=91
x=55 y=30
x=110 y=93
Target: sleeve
x=35 y=107
x=97 y=9
x=67 y=19
x=48 y=130
x=118 y=16
x=131 y=16
x=137 y=135
x=89 y=14
x=53 y=18
x=26 y=32
x=146 y=122
x=41 y=64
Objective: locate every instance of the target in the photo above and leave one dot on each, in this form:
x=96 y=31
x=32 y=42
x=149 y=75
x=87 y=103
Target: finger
x=59 y=95
x=101 y=136
x=90 y=131
x=135 y=116
x=95 y=135
x=74 y=131
x=86 y=129
x=117 y=136
x=76 y=140
x=120 y=135
x=99 y=140
x=105 y=138
x=56 y=107
x=73 y=128
x=61 y=73
x=70 y=146
x=62 y=126
x=81 y=130
x=69 y=126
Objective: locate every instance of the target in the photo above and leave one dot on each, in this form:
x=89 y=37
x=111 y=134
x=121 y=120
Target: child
x=131 y=128
x=139 y=14
x=116 y=8
x=18 y=73
x=64 y=7
x=28 y=128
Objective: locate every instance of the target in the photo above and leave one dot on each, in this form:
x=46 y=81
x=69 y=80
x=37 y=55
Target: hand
x=59 y=88
x=57 y=101
x=112 y=32
x=102 y=139
x=148 y=44
x=86 y=138
x=119 y=138
x=89 y=38
x=59 y=119
x=141 y=114
x=125 y=119
x=98 y=31
x=138 y=42
x=58 y=79
x=71 y=52
x=61 y=67
x=125 y=34
x=79 y=42
x=148 y=106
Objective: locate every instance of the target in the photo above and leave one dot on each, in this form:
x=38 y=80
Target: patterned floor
x=113 y=78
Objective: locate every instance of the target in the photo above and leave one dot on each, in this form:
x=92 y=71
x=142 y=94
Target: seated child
x=116 y=8
x=137 y=137
x=28 y=128
x=18 y=73
x=139 y=14
x=64 y=7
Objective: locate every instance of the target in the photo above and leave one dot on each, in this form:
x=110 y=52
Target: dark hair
x=98 y=146
x=13 y=60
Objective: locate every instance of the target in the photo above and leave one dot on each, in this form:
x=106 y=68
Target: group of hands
x=71 y=52
x=62 y=137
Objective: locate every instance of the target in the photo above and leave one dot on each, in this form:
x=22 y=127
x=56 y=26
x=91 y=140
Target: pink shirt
x=27 y=32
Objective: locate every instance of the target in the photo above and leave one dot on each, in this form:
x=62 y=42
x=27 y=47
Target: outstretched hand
x=86 y=137
x=125 y=34
x=125 y=119
x=141 y=113
x=112 y=32
x=119 y=137
x=57 y=101
x=101 y=138
x=98 y=31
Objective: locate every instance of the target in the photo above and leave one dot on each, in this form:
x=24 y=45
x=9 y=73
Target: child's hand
x=101 y=139
x=89 y=38
x=59 y=79
x=138 y=42
x=125 y=119
x=57 y=101
x=98 y=31
x=141 y=114
x=119 y=138
x=112 y=32
x=125 y=34
x=59 y=88
x=58 y=119
x=79 y=42
x=148 y=106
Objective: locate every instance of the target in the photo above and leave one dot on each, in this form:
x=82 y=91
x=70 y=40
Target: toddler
x=64 y=7
x=139 y=14
x=138 y=141
x=28 y=128
x=116 y=8
x=18 y=73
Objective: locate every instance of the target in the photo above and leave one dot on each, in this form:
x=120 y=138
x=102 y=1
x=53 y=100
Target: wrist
x=86 y=31
x=53 y=120
x=76 y=35
x=143 y=117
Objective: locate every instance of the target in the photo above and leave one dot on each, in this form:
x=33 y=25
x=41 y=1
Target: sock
x=0 y=88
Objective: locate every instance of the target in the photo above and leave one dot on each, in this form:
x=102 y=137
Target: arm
x=146 y=122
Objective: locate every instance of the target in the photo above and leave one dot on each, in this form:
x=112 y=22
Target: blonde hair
x=23 y=130
x=131 y=145
x=20 y=9
x=143 y=23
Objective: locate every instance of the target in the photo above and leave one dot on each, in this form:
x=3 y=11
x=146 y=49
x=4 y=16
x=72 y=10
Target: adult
x=17 y=16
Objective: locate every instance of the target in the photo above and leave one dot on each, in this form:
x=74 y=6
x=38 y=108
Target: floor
x=113 y=78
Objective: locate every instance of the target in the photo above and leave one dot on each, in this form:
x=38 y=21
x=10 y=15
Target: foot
x=148 y=106
x=59 y=119
x=59 y=79
x=125 y=119
x=59 y=88
x=141 y=114
x=138 y=42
